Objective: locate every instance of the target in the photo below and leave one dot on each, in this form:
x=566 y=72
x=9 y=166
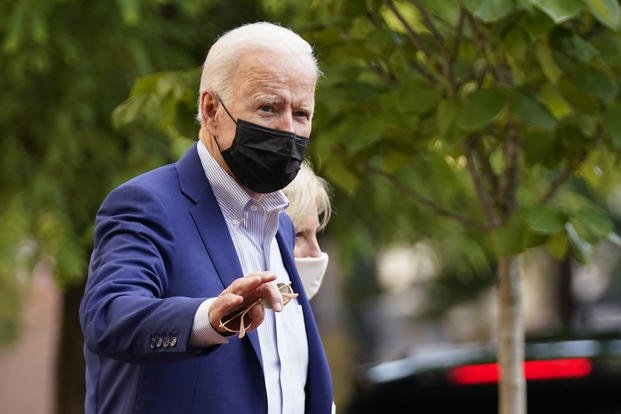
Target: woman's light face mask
x=309 y=259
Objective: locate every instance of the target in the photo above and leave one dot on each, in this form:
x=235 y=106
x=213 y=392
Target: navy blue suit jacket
x=161 y=247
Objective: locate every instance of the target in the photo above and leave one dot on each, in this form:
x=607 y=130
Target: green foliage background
x=486 y=127
x=407 y=84
x=64 y=67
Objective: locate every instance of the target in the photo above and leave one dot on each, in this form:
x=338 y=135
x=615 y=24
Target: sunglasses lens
x=286 y=291
x=240 y=321
x=232 y=322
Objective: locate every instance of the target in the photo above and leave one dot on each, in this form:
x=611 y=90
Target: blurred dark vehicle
x=569 y=376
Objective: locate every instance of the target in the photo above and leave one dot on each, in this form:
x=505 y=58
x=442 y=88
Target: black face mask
x=264 y=159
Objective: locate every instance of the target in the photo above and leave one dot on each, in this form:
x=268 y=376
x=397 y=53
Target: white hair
x=308 y=194
x=222 y=58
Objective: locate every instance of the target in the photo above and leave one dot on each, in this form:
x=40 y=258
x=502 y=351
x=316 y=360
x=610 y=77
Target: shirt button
x=253 y=208
x=235 y=222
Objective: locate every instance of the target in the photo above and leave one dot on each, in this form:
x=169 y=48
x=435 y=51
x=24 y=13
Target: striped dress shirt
x=253 y=225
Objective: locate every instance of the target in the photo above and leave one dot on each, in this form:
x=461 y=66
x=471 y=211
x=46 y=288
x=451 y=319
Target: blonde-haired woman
x=310 y=211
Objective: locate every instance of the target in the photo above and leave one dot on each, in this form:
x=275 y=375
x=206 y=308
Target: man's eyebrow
x=263 y=99
x=277 y=100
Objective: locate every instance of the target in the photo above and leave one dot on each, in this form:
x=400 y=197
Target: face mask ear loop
x=226 y=110
x=228 y=113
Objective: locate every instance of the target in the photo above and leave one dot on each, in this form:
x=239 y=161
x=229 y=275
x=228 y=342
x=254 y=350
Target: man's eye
x=302 y=114
x=299 y=234
x=266 y=108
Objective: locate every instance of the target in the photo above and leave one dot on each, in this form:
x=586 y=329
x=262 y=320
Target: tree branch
x=484 y=50
x=427 y=202
x=414 y=37
x=486 y=168
x=484 y=198
x=471 y=74
x=411 y=33
x=447 y=55
x=383 y=73
x=508 y=181
x=557 y=183
x=377 y=22
x=375 y=19
x=428 y=22
x=451 y=56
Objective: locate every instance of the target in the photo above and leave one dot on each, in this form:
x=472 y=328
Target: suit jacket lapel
x=214 y=233
x=211 y=225
x=318 y=379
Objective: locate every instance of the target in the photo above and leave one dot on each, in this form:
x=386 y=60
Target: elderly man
x=190 y=253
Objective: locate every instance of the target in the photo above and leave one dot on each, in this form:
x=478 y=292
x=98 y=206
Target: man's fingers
x=257 y=313
x=245 y=293
x=228 y=301
x=223 y=305
x=245 y=286
x=272 y=297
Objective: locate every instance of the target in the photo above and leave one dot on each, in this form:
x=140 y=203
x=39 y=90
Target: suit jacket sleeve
x=125 y=313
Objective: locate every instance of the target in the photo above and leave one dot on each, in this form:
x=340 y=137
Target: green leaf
x=594 y=220
x=612 y=124
x=545 y=220
x=559 y=10
x=409 y=13
x=130 y=10
x=341 y=176
x=480 y=107
x=542 y=148
x=489 y=10
x=554 y=101
x=570 y=137
x=362 y=132
x=537 y=24
x=607 y=12
x=393 y=161
x=594 y=82
x=582 y=249
x=443 y=10
x=413 y=96
x=548 y=65
x=584 y=51
x=446 y=115
x=530 y=110
x=587 y=124
x=580 y=99
x=557 y=245
x=509 y=239
x=145 y=84
x=129 y=111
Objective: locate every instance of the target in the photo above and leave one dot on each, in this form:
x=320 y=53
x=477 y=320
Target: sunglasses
x=239 y=321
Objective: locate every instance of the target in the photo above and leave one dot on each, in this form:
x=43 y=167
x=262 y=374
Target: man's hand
x=240 y=294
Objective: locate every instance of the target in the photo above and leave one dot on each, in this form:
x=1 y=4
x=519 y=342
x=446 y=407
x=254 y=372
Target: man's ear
x=209 y=107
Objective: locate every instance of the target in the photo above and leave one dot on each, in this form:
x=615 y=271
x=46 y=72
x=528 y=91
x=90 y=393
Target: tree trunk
x=512 y=387
x=70 y=379
x=566 y=299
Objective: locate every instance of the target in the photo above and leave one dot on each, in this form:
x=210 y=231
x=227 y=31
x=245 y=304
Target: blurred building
x=27 y=366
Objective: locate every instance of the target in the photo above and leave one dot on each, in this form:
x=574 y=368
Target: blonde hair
x=308 y=194
x=221 y=61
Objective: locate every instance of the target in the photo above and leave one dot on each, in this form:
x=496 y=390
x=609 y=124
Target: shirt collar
x=231 y=196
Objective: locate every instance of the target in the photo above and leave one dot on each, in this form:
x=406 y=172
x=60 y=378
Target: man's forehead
x=272 y=88
x=275 y=67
